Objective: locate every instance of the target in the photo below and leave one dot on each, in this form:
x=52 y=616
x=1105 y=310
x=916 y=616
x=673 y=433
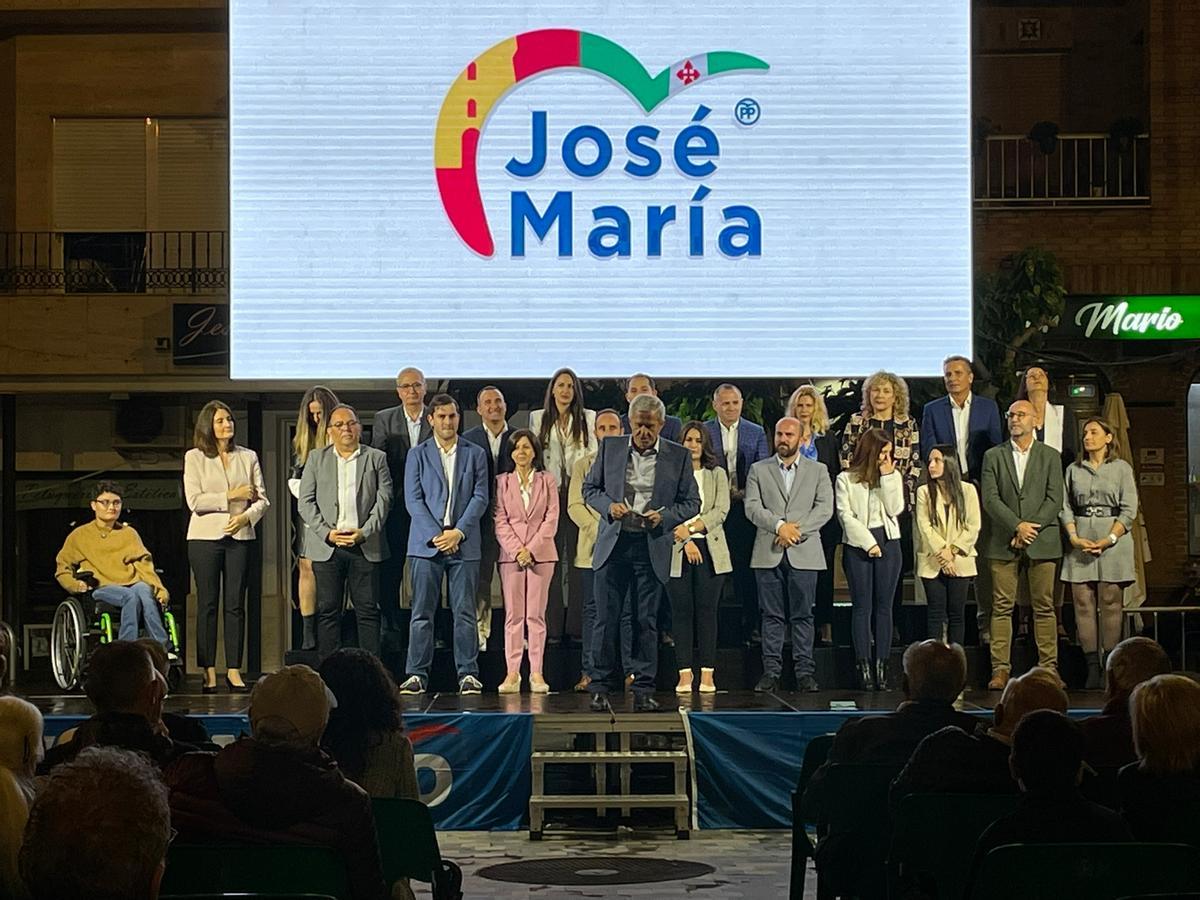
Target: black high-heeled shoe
x=208 y=688
x=865 y=683
x=236 y=688
x=881 y=675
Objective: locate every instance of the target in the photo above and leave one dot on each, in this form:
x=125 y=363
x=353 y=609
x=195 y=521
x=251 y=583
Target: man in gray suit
x=788 y=499
x=642 y=487
x=345 y=494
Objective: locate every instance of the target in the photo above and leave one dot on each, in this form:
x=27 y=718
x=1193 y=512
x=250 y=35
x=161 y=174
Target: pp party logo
x=491 y=75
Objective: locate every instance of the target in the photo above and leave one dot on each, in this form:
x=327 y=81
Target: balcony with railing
x=132 y=262
x=1073 y=170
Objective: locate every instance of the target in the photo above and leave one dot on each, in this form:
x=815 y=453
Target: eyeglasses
x=107 y=504
x=410 y=386
x=343 y=425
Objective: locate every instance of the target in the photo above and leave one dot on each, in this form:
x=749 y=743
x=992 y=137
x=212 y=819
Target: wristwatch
x=1112 y=539
x=691 y=527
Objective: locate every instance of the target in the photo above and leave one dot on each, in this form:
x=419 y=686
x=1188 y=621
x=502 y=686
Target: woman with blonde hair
x=312 y=433
x=1100 y=502
x=807 y=406
x=1160 y=793
x=20 y=752
x=885 y=405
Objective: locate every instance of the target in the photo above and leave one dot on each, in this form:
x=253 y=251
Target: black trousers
x=739 y=532
x=627 y=572
x=947 y=598
x=831 y=536
x=391 y=575
x=346 y=567
x=694 y=598
x=564 y=609
x=214 y=562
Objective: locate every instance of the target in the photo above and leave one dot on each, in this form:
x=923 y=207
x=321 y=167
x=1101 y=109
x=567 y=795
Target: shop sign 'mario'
x=1139 y=318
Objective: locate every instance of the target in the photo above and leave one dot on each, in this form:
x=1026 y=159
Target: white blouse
x=561 y=453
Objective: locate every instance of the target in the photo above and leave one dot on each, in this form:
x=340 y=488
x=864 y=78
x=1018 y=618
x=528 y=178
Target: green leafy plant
x=1045 y=136
x=1014 y=308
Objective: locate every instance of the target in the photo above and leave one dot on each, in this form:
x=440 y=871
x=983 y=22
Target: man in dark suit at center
x=642 y=487
x=739 y=444
x=491 y=436
x=397 y=430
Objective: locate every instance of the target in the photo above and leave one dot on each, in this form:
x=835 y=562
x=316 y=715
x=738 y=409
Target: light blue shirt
x=639 y=478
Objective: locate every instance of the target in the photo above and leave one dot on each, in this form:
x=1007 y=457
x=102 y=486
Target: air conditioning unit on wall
x=146 y=423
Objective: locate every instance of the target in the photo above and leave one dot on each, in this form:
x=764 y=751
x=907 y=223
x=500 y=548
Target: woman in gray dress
x=1099 y=505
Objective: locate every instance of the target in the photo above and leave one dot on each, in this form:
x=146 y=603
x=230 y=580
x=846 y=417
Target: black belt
x=1097 y=512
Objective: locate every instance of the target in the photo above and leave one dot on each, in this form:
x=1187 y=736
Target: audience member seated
x=1160 y=793
x=1047 y=761
x=99 y=829
x=179 y=727
x=1108 y=737
x=20 y=751
x=127 y=693
x=953 y=761
x=277 y=786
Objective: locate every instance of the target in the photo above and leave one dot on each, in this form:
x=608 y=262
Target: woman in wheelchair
x=121 y=569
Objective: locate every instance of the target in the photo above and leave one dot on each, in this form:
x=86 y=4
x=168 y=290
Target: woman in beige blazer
x=948 y=522
x=699 y=564
x=223 y=486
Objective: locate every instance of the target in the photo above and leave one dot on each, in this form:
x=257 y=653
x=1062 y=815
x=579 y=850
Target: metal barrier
x=1181 y=611
x=1084 y=169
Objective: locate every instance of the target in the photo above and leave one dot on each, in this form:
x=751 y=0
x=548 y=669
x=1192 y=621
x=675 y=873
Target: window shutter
x=193 y=175
x=99 y=174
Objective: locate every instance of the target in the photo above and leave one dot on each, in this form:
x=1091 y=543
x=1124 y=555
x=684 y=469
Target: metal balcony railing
x=1081 y=170
x=127 y=262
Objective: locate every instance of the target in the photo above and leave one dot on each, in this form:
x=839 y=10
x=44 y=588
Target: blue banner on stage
x=473 y=768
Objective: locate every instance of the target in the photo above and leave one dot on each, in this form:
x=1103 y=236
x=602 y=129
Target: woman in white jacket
x=948 y=522
x=870 y=499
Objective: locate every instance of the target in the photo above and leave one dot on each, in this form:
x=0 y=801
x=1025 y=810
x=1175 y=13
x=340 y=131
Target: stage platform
x=743 y=750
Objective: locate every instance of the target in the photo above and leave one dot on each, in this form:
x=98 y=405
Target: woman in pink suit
x=526 y=522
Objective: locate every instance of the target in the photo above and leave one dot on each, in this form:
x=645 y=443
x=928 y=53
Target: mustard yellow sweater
x=114 y=557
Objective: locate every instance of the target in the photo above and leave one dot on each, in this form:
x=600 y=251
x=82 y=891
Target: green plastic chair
x=271 y=870
x=934 y=837
x=1094 y=871
x=408 y=847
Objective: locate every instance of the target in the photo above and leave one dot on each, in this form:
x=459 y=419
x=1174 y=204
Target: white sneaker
x=412 y=685
x=469 y=684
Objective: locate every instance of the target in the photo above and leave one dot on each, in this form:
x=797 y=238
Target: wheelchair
x=81 y=623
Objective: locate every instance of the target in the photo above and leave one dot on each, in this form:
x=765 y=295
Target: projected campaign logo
x=697 y=189
x=494 y=73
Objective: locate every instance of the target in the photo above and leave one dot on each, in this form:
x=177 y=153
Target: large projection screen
x=496 y=189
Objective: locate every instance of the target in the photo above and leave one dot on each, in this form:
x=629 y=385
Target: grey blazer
x=712 y=514
x=319 y=502
x=810 y=503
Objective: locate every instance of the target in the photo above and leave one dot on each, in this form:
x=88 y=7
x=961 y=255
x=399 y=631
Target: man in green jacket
x=1022 y=497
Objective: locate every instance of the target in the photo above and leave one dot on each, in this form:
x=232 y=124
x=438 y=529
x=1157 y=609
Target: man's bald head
x=934 y=671
x=1038 y=688
x=1133 y=661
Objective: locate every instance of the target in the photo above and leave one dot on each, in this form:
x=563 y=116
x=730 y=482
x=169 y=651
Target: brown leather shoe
x=582 y=685
x=999 y=680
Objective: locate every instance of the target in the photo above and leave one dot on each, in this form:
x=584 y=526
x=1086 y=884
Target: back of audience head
x=1133 y=661
x=290 y=708
x=1047 y=752
x=1165 y=712
x=158 y=655
x=934 y=671
x=1038 y=688
x=121 y=678
x=113 y=806
x=368 y=705
x=20 y=750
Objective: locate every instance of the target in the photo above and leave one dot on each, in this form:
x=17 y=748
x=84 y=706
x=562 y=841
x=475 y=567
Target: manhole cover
x=595 y=870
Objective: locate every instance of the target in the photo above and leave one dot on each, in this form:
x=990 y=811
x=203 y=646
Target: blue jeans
x=427 y=576
x=135 y=601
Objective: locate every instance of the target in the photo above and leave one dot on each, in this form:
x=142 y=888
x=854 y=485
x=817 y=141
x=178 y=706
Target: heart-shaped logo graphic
x=498 y=70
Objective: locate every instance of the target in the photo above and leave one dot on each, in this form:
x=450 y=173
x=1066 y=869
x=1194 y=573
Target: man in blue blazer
x=446 y=492
x=641 y=383
x=739 y=444
x=942 y=423
x=943 y=418
x=642 y=487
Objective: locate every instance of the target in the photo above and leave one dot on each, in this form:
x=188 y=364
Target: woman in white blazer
x=223 y=485
x=869 y=501
x=566 y=431
x=948 y=521
x=699 y=563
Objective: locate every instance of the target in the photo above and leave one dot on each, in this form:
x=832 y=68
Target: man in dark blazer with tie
x=345 y=539
x=491 y=436
x=446 y=489
x=970 y=423
x=739 y=444
x=642 y=487
x=1022 y=496
x=642 y=383
x=397 y=430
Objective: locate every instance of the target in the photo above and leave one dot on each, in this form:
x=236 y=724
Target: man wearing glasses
x=122 y=569
x=345 y=495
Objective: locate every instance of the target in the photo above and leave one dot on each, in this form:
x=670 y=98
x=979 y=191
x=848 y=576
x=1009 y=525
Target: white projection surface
x=499 y=188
